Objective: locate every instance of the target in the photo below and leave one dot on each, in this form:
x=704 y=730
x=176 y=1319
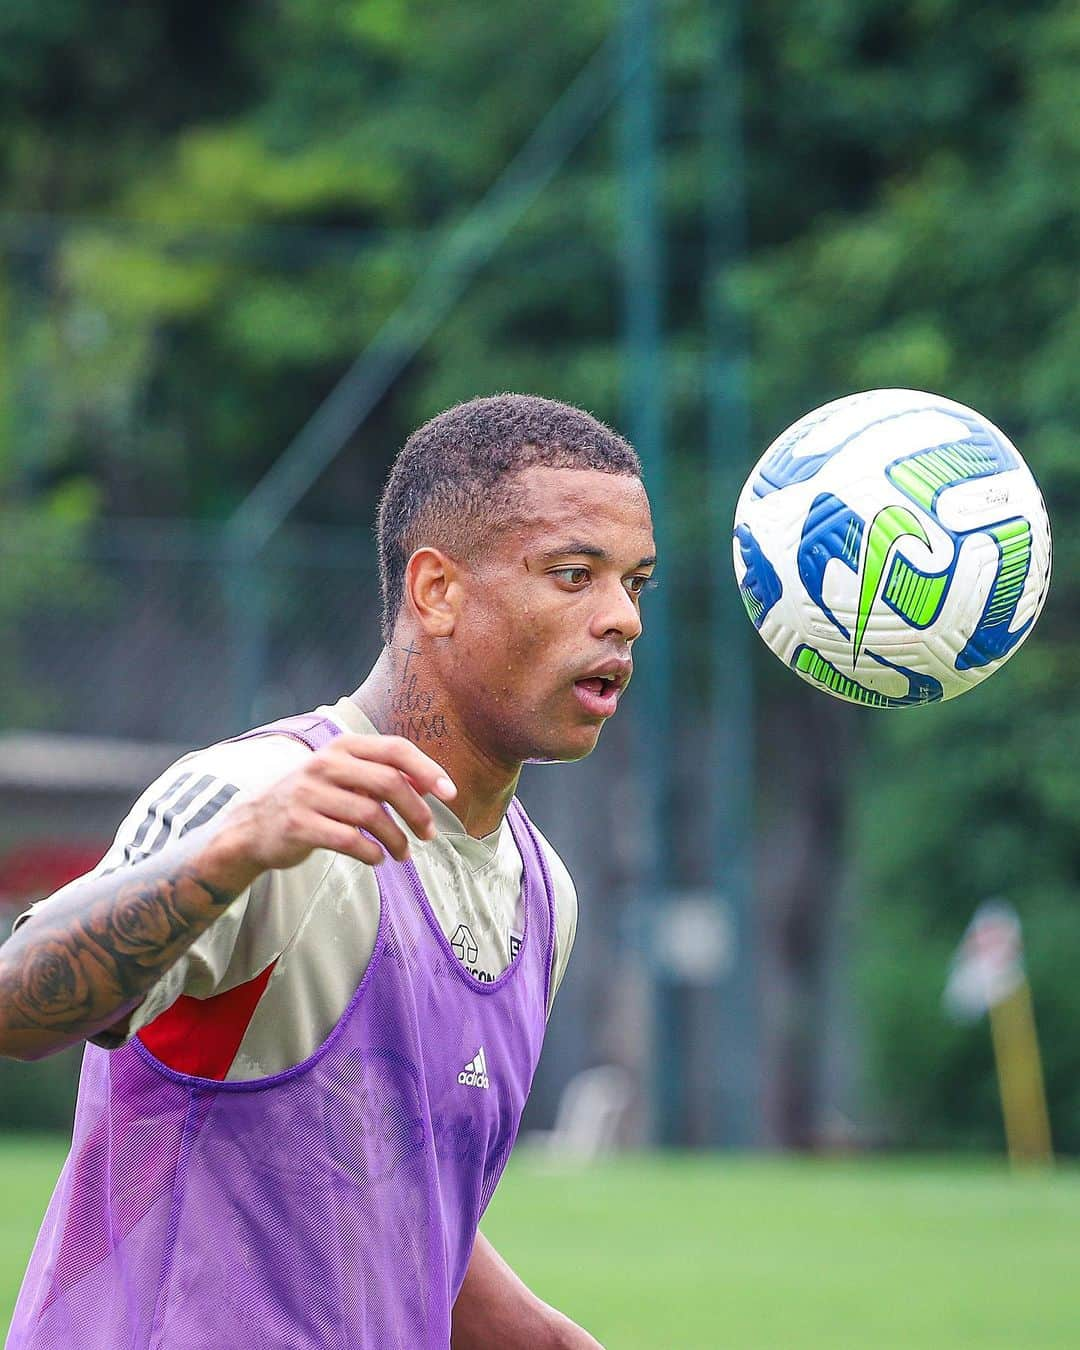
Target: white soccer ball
x=892 y=548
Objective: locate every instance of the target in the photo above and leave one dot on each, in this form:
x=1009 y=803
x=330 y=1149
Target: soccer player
x=315 y=967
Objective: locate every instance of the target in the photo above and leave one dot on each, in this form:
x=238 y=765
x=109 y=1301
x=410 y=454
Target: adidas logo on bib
x=474 y=1074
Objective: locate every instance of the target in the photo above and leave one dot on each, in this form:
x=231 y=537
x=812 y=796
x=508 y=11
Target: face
x=547 y=615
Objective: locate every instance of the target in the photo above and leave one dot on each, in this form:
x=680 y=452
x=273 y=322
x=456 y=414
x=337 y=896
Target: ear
x=432 y=591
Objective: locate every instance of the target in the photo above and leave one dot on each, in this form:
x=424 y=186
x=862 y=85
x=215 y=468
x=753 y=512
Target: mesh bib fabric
x=334 y=1205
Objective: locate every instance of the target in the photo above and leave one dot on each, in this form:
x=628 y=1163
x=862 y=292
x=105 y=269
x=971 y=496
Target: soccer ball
x=892 y=548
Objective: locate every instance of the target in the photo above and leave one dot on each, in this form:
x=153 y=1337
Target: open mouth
x=598 y=695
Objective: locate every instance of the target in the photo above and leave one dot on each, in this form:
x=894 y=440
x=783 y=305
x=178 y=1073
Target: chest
x=431 y=1060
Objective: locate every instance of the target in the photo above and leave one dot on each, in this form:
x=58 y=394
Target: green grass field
x=694 y=1253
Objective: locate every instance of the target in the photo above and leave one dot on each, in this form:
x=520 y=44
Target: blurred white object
x=591 y=1110
x=695 y=937
x=987 y=976
x=988 y=965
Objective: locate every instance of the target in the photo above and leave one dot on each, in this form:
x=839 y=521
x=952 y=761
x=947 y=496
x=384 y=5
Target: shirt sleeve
x=179 y=801
x=189 y=795
x=201 y=971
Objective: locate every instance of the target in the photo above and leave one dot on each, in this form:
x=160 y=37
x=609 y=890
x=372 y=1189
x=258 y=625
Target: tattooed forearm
x=91 y=955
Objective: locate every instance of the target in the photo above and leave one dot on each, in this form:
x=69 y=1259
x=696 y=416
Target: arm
x=91 y=954
x=494 y=1308
x=89 y=957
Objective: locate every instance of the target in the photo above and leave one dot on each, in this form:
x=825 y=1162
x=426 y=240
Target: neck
x=403 y=696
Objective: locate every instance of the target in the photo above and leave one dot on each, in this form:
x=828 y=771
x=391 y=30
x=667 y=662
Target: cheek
x=513 y=647
x=535 y=638
x=538 y=666
x=501 y=655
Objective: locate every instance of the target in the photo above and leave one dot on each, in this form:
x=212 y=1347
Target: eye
x=639 y=583
x=572 y=576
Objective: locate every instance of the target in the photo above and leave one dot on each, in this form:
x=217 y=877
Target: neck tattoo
x=413 y=713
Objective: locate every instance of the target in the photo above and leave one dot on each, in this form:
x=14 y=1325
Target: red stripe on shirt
x=202 y=1035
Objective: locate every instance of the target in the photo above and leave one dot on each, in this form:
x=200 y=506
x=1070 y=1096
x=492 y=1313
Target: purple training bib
x=334 y=1205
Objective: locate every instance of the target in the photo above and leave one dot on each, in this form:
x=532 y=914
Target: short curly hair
x=448 y=486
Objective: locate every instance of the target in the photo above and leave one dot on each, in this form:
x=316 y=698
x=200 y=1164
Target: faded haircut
x=450 y=485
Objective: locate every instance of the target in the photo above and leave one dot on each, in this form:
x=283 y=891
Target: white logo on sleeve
x=475 y=1073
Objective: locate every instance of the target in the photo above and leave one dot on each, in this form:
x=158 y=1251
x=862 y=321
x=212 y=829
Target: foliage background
x=211 y=208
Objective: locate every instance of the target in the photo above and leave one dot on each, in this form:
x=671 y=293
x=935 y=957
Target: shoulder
x=252 y=759
x=248 y=764
x=189 y=793
x=238 y=766
x=194 y=789
x=565 y=900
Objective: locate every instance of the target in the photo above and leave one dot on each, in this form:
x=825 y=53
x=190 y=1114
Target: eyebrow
x=590 y=551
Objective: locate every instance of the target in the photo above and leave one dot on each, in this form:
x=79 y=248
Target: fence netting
x=165 y=632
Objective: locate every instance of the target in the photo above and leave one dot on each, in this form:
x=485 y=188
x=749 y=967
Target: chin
x=570 y=750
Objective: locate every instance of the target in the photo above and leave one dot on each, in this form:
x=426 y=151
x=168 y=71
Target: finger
x=385 y=784
x=425 y=772
x=360 y=812
x=386 y=830
x=323 y=832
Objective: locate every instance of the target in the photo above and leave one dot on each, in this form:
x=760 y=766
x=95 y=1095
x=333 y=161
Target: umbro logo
x=475 y=1074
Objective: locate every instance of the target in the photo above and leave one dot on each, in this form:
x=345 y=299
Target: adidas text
x=474 y=1074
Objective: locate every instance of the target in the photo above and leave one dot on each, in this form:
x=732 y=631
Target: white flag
x=989 y=963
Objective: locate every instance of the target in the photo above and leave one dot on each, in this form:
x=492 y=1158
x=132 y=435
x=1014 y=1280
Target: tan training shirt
x=316 y=924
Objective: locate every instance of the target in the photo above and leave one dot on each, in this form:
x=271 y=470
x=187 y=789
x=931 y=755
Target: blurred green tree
x=915 y=197
x=213 y=208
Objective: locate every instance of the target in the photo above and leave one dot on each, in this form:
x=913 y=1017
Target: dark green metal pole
x=643 y=288
x=737 y=1112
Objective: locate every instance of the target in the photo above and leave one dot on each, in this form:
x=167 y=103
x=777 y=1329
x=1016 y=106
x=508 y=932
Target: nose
x=618 y=614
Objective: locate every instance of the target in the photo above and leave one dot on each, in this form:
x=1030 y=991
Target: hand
x=339 y=791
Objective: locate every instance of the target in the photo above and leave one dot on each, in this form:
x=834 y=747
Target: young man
x=315 y=966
